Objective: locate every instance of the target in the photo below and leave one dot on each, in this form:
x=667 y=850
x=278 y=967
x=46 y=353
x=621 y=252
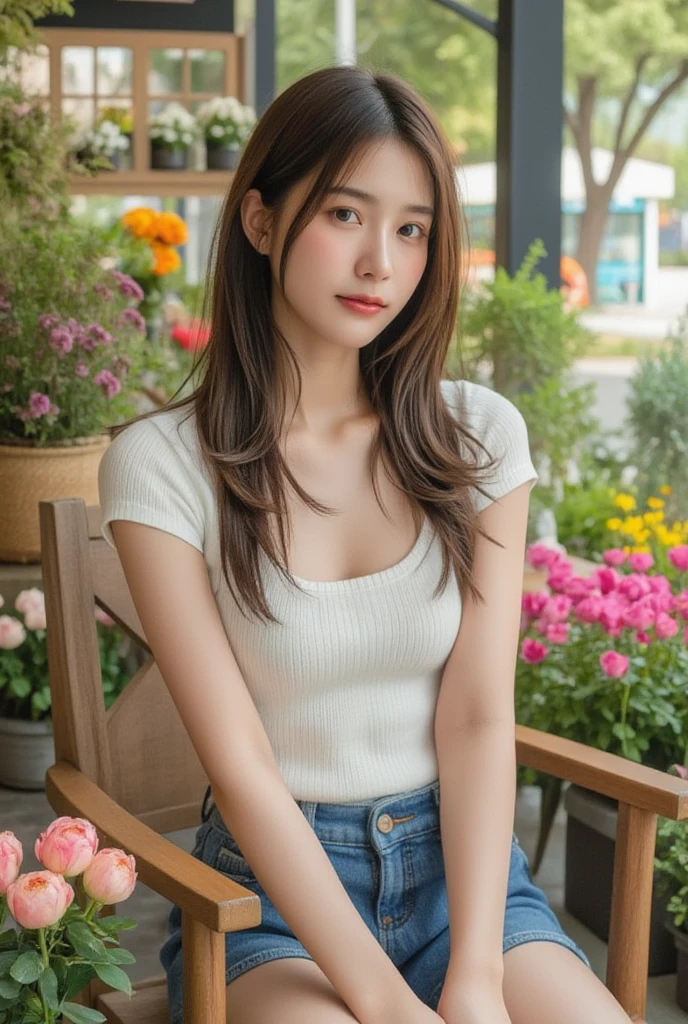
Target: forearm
x=295 y=872
x=477 y=770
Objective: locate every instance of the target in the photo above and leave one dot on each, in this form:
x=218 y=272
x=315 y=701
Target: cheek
x=315 y=250
x=413 y=267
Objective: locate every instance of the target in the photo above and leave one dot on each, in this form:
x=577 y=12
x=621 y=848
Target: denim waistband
x=383 y=821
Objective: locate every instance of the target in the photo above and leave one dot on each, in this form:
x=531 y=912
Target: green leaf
x=6 y=961
x=8 y=939
x=27 y=968
x=9 y=988
x=115 y=924
x=121 y=956
x=86 y=944
x=78 y=977
x=82 y=1014
x=114 y=976
x=47 y=984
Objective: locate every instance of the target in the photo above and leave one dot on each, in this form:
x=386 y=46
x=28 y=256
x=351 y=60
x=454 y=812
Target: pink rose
x=642 y=637
x=11 y=856
x=542 y=557
x=640 y=615
x=39 y=899
x=558 y=633
x=577 y=588
x=634 y=587
x=611 y=616
x=67 y=846
x=614 y=556
x=640 y=561
x=534 y=602
x=614 y=664
x=680 y=603
x=589 y=609
x=12 y=633
x=679 y=557
x=557 y=609
x=665 y=626
x=111 y=877
x=27 y=600
x=533 y=651
x=559 y=578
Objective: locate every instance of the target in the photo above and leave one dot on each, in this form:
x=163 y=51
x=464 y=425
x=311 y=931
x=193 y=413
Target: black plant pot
x=165 y=159
x=590 y=845
x=681 y=941
x=221 y=158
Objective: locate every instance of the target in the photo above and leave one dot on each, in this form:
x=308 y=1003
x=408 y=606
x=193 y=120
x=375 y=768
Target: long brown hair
x=317 y=126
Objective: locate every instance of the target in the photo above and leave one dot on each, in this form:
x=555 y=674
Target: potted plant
x=105 y=140
x=26 y=736
x=603 y=661
x=172 y=133
x=123 y=117
x=226 y=124
x=671 y=871
x=59 y=942
x=72 y=351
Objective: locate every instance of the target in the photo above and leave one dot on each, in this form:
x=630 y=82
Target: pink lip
x=368 y=304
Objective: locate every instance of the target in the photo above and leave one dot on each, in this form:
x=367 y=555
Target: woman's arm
x=169 y=585
x=475 y=739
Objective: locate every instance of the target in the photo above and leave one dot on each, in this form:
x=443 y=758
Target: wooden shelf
x=152 y=183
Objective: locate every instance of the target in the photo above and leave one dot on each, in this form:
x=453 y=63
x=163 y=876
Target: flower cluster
x=104 y=139
x=24 y=681
x=225 y=121
x=161 y=231
x=71 y=336
x=603 y=658
x=646 y=531
x=60 y=944
x=174 y=127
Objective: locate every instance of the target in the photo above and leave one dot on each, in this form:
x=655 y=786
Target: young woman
x=325 y=545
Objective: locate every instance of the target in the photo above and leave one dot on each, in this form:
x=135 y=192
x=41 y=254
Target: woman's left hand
x=472 y=1004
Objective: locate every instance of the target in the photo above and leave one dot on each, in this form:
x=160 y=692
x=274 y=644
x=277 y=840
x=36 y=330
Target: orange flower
x=167 y=260
x=170 y=229
x=141 y=222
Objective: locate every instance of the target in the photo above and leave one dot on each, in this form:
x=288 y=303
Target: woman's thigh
x=288 y=991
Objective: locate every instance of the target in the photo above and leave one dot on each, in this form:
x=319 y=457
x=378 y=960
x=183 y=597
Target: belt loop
x=436 y=793
x=205 y=811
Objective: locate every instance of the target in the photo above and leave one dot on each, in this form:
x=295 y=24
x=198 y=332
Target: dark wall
x=199 y=16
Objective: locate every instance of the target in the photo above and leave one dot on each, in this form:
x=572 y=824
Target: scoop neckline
x=394 y=572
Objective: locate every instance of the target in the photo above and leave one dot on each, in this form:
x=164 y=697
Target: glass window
x=80 y=111
x=114 y=70
x=207 y=71
x=77 y=70
x=165 y=72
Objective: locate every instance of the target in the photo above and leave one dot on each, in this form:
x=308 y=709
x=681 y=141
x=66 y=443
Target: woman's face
x=369 y=238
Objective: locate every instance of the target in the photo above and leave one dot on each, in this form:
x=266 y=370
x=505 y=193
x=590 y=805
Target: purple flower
x=133 y=317
x=128 y=286
x=81 y=369
x=47 y=321
x=40 y=405
x=61 y=341
x=99 y=334
x=108 y=382
x=86 y=342
x=103 y=290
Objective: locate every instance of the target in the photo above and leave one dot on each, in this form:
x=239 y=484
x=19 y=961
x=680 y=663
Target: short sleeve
x=500 y=427
x=143 y=477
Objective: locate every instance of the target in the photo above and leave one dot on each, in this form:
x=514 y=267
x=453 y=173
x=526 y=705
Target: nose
x=375 y=259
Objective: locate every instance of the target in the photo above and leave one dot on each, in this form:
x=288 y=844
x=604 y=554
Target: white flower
x=216 y=131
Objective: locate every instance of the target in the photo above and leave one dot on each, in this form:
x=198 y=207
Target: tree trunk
x=593 y=223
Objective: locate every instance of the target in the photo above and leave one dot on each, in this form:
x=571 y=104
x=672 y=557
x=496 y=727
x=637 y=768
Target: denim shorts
x=388 y=855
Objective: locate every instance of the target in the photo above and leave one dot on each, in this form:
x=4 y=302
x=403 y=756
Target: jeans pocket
x=223 y=853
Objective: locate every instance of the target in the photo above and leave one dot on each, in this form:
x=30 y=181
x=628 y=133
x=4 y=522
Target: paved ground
x=27 y=813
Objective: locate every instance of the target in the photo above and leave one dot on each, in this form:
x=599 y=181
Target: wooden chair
x=133 y=772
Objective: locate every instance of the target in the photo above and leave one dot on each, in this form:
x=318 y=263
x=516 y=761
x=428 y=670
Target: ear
x=255 y=219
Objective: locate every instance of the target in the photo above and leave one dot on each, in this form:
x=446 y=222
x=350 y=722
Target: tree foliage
x=17 y=19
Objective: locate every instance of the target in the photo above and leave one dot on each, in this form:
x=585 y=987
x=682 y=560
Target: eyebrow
x=357 y=193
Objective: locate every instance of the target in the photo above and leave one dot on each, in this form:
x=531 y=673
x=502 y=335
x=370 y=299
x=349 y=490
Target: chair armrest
x=202 y=892
x=609 y=774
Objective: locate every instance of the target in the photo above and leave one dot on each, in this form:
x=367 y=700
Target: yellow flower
x=614 y=524
x=641 y=549
x=641 y=536
x=140 y=222
x=665 y=489
x=653 y=517
x=655 y=503
x=170 y=229
x=632 y=524
x=167 y=260
x=626 y=502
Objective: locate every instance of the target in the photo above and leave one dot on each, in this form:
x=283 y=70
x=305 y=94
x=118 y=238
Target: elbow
x=449 y=731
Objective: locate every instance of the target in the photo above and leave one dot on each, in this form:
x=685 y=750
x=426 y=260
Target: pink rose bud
x=111 y=877
x=12 y=633
x=614 y=556
x=67 y=846
x=640 y=561
x=614 y=664
x=541 y=556
x=11 y=856
x=39 y=899
x=533 y=652
x=679 y=557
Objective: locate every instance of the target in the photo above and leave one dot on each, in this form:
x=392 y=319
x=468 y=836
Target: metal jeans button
x=385 y=823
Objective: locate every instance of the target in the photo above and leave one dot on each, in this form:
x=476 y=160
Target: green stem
x=624 y=707
x=47 y=1013
x=92 y=908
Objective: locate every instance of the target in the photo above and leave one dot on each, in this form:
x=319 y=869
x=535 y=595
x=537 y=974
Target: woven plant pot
x=29 y=474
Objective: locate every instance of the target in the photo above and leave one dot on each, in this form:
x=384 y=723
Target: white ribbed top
x=346 y=684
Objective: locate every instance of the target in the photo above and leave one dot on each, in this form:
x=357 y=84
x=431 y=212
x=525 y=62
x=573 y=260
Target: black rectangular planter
x=590 y=844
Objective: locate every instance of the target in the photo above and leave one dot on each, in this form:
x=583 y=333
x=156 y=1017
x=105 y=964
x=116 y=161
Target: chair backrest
x=137 y=751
